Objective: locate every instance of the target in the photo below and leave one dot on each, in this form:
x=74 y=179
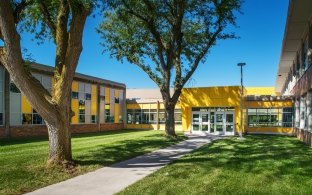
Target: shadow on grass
x=25 y=140
x=281 y=155
x=108 y=154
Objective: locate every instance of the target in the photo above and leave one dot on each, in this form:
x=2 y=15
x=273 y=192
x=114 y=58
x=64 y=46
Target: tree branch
x=19 y=7
x=11 y=58
x=48 y=18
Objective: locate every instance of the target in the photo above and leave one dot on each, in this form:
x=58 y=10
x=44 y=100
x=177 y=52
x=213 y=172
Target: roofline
x=36 y=67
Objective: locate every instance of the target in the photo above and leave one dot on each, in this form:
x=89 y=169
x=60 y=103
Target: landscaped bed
x=23 y=161
x=261 y=164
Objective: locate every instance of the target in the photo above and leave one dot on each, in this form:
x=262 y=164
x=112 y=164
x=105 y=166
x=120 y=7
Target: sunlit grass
x=260 y=165
x=23 y=161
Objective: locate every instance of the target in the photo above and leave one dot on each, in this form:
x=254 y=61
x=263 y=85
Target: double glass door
x=219 y=122
x=200 y=121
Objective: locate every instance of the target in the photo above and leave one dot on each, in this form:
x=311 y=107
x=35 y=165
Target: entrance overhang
x=299 y=15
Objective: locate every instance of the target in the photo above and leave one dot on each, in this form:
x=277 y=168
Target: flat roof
x=299 y=15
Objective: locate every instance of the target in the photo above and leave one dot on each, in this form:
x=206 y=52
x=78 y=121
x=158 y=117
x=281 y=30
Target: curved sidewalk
x=114 y=178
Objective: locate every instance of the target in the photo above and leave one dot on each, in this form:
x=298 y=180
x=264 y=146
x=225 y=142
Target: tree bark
x=55 y=109
x=169 y=124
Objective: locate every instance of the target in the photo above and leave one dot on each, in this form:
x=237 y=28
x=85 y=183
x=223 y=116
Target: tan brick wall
x=41 y=130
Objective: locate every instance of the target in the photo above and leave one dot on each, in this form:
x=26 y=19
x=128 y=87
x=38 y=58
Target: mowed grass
x=23 y=161
x=260 y=165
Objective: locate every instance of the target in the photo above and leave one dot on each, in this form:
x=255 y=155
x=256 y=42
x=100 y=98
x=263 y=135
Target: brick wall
x=304 y=136
x=41 y=130
x=2 y=132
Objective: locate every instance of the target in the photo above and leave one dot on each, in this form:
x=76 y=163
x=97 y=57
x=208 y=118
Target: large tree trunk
x=59 y=143
x=170 y=124
x=60 y=136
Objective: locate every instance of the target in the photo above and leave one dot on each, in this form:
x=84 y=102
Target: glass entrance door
x=219 y=123
x=229 y=123
x=195 y=121
x=200 y=121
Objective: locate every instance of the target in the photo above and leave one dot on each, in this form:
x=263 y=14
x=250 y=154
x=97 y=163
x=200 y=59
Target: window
x=153 y=116
x=270 y=117
x=93 y=119
x=177 y=116
x=37 y=119
x=145 y=116
x=82 y=118
x=162 y=118
x=75 y=95
x=88 y=96
x=82 y=111
x=13 y=88
x=27 y=119
x=116 y=100
x=130 y=117
x=102 y=98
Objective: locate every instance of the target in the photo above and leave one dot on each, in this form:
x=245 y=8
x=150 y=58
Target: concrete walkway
x=112 y=179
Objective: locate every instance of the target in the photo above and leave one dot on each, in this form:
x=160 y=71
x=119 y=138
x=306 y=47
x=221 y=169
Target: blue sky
x=261 y=30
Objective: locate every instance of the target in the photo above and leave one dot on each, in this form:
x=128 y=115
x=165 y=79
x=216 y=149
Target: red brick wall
x=41 y=130
x=2 y=132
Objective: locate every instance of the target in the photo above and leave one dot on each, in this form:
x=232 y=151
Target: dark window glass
x=93 y=119
x=88 y=96
x=27 y=118
x=13 y=88
x=82 y=118
x=82 y=107
x=37 y=119
x=145 y=118
x=117 y=100
x=75 y=95
x=102 y=98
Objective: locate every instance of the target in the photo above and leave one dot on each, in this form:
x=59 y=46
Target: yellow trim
x=116 y=113
x=107 y=95
x=75 y=105
x=75 y=86
x=26 y=107
x=94 y=100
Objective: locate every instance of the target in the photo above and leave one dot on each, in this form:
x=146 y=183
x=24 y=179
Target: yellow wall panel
x=107 y=95
x=260 y=90
x=94 y=97
x=209 y=97
x=268 y=104
x=75 y=86
x=116 y=93
x=26 y=107
x=281 y=130
x=75 y=105
x=116 y=113
x=133 y=106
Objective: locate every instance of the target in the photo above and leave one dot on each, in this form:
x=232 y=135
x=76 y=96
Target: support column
x=98 y=107
x=302 y=113
x=297 y=113
x=7 y=103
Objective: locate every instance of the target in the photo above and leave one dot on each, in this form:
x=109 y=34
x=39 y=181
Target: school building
x=102 y=105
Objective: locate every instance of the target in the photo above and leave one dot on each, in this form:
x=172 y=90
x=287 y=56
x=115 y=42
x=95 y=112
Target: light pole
x=241 y=101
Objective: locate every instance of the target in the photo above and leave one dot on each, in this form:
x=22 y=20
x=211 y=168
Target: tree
x=167 y=39
x=63 y=22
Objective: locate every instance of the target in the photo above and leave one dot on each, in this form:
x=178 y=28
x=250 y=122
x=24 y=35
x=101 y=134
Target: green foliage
x=161 y=36
x=23 y=161
x=39 y=16
x=261 y=165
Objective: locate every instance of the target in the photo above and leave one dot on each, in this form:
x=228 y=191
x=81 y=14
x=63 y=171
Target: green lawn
x=23 y=161
x=260 y=165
